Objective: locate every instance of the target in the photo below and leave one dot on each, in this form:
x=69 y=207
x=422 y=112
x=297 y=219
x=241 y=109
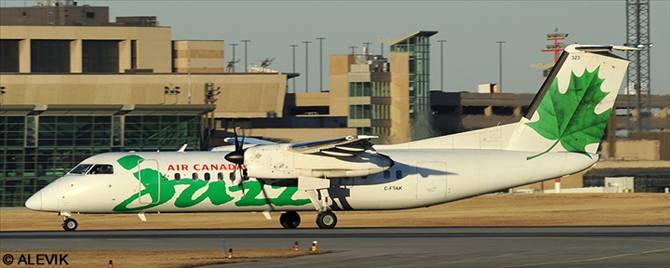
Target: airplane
x=558 y=136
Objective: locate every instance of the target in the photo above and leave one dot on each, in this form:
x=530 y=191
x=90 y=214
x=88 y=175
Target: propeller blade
x=237 y=156
x=243 y=134
x=237 y=143
x=242 y=172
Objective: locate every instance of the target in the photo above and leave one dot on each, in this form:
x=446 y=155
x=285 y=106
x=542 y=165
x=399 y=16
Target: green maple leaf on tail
x=570 y=118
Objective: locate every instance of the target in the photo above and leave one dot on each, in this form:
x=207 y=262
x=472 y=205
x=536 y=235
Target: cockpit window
x=80 y=169
x=102 y=169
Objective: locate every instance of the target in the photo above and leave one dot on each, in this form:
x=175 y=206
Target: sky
x=470 y=28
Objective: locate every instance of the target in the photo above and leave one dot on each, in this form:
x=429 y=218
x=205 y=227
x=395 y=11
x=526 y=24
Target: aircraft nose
x=35 y=201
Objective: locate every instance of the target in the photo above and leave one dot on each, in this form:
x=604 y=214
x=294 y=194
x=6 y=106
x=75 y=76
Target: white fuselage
x=418 y=178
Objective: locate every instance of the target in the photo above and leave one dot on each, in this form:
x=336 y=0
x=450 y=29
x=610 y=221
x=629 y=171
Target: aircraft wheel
x=326 y=220
x=70 y=224
x=289 y=220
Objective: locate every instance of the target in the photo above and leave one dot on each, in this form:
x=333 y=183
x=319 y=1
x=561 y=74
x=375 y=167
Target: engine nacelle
x=279 y=162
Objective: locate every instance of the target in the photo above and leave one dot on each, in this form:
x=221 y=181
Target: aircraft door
x=150 y=181
x=431 y=180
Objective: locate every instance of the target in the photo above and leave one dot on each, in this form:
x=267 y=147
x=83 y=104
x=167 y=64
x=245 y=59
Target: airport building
x=75 y=84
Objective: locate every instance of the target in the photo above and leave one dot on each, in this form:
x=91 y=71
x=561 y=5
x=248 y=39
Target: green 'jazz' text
x=215 y=192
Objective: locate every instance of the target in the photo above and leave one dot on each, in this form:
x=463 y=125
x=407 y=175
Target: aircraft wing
x=342 y=147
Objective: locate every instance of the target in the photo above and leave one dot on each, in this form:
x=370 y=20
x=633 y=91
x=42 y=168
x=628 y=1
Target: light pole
x=306 y=64
x=441 y=64
x=500 y=78
x=321 y=62
x=367 y=47
x=233 y=45
x=245 y=55
x=293 y=46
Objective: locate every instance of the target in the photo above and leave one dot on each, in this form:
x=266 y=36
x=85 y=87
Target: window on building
x=84 y=131
x=355 y=112
x=50 y=56
x=9 y=56
x=37 y=150
x=382 y=132
x=144 y=133
x=117 y=131
x=362 y=89
x=360 y=111
x=133 y=54
x=381 y=111
x=364 y=131
x=90 y=15
x=100 y=56
x=381 y=89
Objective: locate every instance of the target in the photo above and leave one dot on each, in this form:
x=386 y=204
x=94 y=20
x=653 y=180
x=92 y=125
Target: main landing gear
x=291 y=220
x=69 y=224
x=326 y=220
x=317 y=191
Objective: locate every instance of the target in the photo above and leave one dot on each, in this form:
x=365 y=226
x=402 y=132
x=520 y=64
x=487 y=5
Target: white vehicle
x=559 y=136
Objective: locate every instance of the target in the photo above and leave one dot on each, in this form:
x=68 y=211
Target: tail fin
x=570 y=112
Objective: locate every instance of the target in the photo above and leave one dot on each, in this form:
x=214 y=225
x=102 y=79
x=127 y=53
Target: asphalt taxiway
x=596 y=246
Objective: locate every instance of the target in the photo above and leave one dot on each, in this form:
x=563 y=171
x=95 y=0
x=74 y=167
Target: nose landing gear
x=69 y=224
x=325 y=220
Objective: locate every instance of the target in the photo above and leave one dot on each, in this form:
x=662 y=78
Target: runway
x=621 y=246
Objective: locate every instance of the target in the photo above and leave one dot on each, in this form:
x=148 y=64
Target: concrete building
x=410 y=86
x=55 y=13
x=197 y=56
x=389 y=98
x=78 y=86
x=360 y=89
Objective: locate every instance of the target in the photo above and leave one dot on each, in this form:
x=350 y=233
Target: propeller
x=237 y=157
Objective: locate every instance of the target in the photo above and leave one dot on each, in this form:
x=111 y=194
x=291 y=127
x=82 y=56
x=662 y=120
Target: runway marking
x=589 y=260
x=613 y=238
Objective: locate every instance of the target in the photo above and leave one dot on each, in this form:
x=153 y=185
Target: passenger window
x=206 y=176
x=195 y=176
x=177 y=177
x=398 y=174
x=102 y=169
x=232 y=176
x=220 y=176
x=387 y=174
